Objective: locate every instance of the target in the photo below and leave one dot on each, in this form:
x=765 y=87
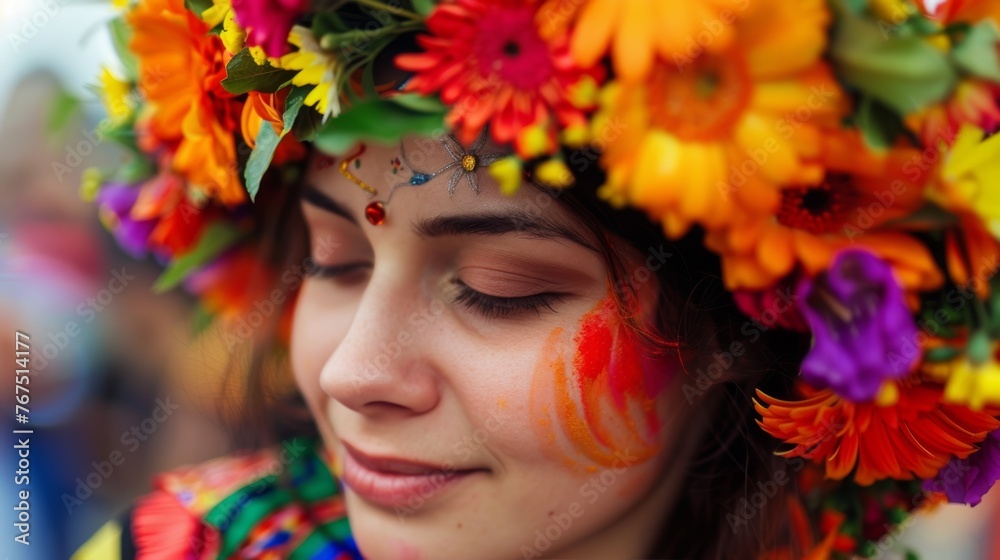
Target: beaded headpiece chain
x=465 y=163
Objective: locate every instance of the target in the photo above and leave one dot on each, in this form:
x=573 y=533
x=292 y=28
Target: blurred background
x=113 y=358
x=115 y=373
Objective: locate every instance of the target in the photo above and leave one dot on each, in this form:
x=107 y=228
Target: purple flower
x=268 y=22
x=966 y=481
x=863 y=331
x=116 y=202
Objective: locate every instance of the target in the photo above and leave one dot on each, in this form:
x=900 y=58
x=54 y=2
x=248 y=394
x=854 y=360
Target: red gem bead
x=375 y=212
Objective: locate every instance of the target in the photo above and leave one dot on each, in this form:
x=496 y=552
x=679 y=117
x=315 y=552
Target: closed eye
x=498 y=307
x=336 y=270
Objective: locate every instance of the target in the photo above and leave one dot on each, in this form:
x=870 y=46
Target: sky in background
x=67 y=37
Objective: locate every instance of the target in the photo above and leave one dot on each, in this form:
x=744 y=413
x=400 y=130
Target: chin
x=383 y=534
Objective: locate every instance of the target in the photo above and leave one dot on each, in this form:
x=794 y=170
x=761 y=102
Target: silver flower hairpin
x=465 y=163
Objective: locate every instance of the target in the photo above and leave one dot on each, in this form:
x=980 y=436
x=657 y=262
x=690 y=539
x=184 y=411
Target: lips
x=394 y=482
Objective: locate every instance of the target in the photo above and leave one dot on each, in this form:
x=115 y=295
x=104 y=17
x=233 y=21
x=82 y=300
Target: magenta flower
x=863 y=332
x=115 y=202
x=774 y=307
x=966 y=481
x=268 y=22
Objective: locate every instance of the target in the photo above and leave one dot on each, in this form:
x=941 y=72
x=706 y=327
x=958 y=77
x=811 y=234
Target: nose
x=381 y=367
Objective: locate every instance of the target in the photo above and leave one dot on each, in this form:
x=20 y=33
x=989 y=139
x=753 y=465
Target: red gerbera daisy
x=915 y=437
x=489 y=62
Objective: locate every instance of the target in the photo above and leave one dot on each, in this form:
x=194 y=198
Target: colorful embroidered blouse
x=278 y=503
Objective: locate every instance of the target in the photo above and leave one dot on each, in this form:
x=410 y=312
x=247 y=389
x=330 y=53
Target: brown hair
x=733 y=455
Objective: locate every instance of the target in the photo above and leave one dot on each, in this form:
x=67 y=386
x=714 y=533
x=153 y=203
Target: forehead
x=426 y=178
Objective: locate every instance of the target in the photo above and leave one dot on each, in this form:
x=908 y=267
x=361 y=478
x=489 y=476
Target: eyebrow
x=490 y=224
x=319 y=199
x=499 y=224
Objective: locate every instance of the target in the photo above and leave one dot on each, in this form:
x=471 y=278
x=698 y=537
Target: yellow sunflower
x=693 y=142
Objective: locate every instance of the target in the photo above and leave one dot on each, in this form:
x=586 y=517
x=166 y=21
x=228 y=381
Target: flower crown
x=837 y=155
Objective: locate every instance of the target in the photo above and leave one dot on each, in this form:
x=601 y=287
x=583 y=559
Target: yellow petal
x=507 y=173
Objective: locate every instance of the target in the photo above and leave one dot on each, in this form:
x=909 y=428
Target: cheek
x=312 y=342
x=595 y=400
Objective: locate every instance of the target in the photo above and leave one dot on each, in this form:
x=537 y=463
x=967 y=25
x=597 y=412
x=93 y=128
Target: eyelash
x=491 y=307
x=496 y=307
x=335 y=270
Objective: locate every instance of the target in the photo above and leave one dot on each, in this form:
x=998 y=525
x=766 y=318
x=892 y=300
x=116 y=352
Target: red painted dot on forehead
x=375 y=213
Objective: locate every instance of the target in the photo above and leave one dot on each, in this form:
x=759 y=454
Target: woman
x=499 y=363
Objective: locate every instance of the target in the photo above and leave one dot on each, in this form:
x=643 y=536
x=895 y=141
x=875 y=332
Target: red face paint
x=608 y=402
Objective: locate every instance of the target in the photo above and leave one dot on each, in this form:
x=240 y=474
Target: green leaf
x=198 y=6
x=903 y=72
x=268 y=140
x=121 y=34
x=293 y=104
x=941 y=354
x=64 y=107
x=929 y=217
x=203 y=318
x=977 y=54
x=420 y=103
x=376 y=120
x=424 y=7
x=243 y=74
x=260 y=158
x=328 y=22
x=368 y=81
x=135 y=170
x=216 y=238
x=879 y=125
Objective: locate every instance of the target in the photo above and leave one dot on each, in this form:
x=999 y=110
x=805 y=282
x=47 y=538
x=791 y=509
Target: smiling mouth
x=394 y=482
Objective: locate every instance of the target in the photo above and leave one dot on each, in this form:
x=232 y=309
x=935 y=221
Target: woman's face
x=467 y=367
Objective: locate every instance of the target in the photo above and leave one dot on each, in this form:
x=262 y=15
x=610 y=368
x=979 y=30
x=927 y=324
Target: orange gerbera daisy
x=637 y=31
x=860 y=191
x=692 y=144
x=915 y=437
x=181 y=67
x=489 y=62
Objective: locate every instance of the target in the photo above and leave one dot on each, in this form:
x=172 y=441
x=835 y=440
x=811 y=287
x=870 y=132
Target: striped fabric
x=278 y=503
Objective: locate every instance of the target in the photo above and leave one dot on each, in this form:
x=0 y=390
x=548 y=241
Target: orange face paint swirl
x=607 y=403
